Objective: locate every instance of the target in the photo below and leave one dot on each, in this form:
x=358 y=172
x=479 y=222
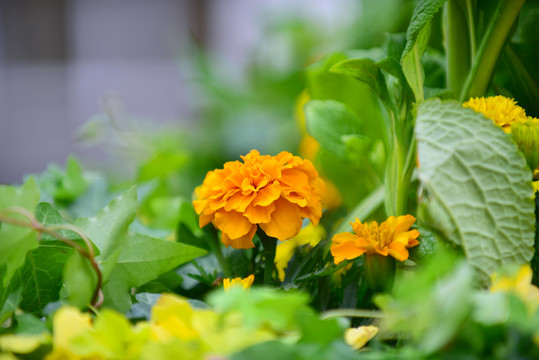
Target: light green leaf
x=477 y=189
x=328 y=121
x=143 y=259
x=366 y=71
x=80 y=280
x=16 y=241
x=417 y=37
x=108 y=229
x=72 y=184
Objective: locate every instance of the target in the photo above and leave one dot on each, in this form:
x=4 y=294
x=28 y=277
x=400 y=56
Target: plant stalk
x=269 y=246
x=491 y=46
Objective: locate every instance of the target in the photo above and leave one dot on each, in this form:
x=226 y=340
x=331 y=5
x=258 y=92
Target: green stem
x=489 y=51
x=457 y=46
x=215 y=247
x=352 y=313
x=269 y=246
x=471 y=28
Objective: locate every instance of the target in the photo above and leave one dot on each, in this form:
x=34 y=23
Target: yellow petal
x=358 y=337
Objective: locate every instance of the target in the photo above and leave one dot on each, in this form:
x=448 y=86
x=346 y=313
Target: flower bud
x=379 y=272
x=526 y=135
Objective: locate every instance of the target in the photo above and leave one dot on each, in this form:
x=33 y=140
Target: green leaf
x=72 y=184
x=16 y=241
x=477 y=189
x=328 y=121
x=366 y=71
x=80 y=280
x=417 y=37
x=42 y=272
x=108 y=229
x=143 y=259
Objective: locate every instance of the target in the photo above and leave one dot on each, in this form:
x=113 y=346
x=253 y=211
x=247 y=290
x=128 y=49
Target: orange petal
x=268 y=194
x=344 y=247
x=204 y=220
x=398 y=251
x=285 y=221
x=199 y=205
x=239 y=202
x=232 y=223
x=243 y=242
x=259 y=214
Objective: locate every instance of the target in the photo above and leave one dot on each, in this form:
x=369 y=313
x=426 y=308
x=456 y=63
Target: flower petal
x=243 y=242
x=344 y=247
x=285 y=221
x=259 y=214
x=232 y=223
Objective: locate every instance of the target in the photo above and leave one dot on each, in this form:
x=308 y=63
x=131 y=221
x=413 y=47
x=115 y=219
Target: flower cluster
x=273 y=192
x=392 y=237
x=503 y=111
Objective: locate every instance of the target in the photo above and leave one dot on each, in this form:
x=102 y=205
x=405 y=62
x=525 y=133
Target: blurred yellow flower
x=273 y=192
x=310 y=235
x=503 y=111
x=245 y=283
x=520 y=284
x=392 y=237
x=359 y=336
x=23 y=343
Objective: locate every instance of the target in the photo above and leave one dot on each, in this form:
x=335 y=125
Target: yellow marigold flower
x=358 y=337
x=503 y=111
x=392 y=237
x=246 y=282
x=285 y=250
x=273 y=192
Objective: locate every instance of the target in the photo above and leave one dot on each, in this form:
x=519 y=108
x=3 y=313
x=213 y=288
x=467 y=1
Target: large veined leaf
x=108 y=229
x=476 y=186
x=141 y=260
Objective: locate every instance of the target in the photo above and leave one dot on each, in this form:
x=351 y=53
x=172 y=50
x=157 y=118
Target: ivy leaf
x=16 y=241
x=108 y=229
x=328 y=121
x=477 y=188
x=143 y=259
x=417 y=37
x=42 y=272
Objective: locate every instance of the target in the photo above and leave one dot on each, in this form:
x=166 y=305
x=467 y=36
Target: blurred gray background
x=58 y=58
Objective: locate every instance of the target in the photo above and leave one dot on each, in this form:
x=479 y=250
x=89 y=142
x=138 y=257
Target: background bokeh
x=223 y=72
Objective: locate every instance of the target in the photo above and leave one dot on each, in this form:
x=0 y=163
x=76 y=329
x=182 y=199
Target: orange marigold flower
x=273 y=192
x=392 y=237
x=245 y=283
x=503 y=111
